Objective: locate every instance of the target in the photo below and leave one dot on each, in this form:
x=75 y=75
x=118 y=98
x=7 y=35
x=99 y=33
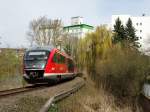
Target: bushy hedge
x=122 y=71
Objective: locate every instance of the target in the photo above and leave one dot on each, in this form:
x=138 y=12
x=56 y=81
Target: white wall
x=79 y=32
x=76 y=20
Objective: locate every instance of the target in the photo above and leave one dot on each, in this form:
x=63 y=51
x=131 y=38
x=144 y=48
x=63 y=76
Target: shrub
x=123 y=71
x=121 y=68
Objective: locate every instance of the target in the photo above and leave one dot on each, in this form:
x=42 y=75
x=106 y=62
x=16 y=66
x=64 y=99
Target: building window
x=141 y=24
x=137 y=24
x=140 y=37
x=140 y=31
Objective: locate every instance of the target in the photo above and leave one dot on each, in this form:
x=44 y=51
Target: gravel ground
x=11 y=81
x=33 y=101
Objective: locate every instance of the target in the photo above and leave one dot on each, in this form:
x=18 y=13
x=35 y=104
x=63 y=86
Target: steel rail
x=15 y=91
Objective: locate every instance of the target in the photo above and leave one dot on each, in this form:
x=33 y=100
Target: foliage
x=44 y=31
x=10 y=69
x=10 y=63
x=130 y=34
x=120 y=68
x=53 y=108
x=89 y=99
x=69 y=44
x=67 y=49
x=123 y=72
x=119 y=30
x=91 y=47
x=125 y=34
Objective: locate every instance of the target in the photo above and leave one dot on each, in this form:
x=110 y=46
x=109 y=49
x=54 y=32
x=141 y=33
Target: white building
x=141 y=24
x=78 y=28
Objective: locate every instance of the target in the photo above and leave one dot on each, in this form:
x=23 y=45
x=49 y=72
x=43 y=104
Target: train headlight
x=42 y=66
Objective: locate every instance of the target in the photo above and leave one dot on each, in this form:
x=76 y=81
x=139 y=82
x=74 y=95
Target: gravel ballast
x=33 y=101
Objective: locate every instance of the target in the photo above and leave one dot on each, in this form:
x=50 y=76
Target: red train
x=47 y=64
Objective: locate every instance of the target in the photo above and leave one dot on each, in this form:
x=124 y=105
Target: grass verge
x=90 y=99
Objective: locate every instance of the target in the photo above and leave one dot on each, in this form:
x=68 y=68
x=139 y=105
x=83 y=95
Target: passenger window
x=62 y=59
x=58 y=58
x=55 y=58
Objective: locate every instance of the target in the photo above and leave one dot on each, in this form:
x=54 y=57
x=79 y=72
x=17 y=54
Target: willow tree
x=93 y=47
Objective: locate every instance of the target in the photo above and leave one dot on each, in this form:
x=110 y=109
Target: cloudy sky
x=15 y=15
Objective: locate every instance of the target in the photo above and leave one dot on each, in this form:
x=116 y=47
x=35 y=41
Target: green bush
x=123 y=71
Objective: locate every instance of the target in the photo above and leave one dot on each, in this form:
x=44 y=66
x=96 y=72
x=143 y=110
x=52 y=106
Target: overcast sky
x=15 y=15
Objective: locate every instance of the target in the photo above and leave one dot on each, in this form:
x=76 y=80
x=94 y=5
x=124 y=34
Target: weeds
x=10 y=63
x=10 y=70
x=89 y=99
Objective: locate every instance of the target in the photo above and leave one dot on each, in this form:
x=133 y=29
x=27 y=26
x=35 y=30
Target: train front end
x=34 y=65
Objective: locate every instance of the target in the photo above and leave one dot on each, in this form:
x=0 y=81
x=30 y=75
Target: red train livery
x=47 y=64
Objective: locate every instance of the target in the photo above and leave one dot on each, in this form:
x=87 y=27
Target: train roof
x=47 y=48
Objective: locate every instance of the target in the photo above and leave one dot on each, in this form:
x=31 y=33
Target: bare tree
x=69 y=44
x=44 y=31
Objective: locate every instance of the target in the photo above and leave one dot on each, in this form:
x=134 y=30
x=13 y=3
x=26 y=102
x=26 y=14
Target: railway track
x=15 y=91
x=20 y=90
x=21 y=101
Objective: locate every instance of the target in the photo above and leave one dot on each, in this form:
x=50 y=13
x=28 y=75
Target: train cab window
x=36 y=59
x=38 y=55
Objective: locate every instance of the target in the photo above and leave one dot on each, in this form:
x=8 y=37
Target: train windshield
x=36 y=59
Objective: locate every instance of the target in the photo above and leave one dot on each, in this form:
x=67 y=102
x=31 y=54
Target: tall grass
x=10 y=70
x=91 y=99
x=10 y=62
